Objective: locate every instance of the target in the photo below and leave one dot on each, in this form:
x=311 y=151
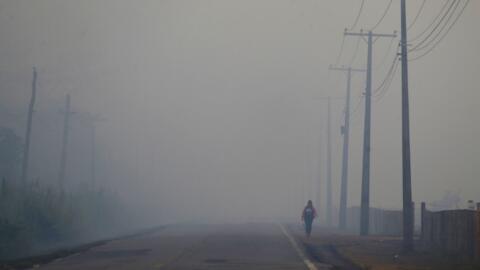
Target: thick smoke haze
x=216 y=109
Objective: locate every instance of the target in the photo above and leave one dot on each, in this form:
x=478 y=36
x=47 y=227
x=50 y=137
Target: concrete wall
x=451 y=232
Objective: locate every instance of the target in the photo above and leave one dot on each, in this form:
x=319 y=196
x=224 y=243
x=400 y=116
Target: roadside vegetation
x=35 y=217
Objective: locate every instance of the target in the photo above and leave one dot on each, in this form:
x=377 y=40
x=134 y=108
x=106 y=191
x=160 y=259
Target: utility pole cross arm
x=366 y=34
x=365 y=194
x=347 y=68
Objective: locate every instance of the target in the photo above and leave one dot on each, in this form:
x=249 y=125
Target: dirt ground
x=374 y=253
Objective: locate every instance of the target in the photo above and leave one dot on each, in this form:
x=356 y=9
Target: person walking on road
x=308 y=215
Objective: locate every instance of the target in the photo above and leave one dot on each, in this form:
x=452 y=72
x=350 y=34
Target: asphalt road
x=239 y=246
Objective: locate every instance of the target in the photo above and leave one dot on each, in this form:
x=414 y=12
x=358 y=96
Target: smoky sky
x=217 y=108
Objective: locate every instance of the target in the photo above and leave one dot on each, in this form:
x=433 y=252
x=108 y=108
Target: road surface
x=239 y=246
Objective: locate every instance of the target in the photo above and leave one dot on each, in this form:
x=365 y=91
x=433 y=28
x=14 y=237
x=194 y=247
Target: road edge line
x=295 y=246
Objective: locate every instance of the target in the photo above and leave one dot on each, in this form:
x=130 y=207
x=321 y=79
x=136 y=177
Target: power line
x=432 y=22
x=441 y=29
x=449 y=10
x=444 y=35
x=387 y=76
x=382 y=62
x=357 y=105
x=417 y=16
x=386 y=81
x=384 y=91
x=358 y=15
x=383 y=16
x=354 y=115
x=340 y=52
x=355 y=52
x=337 y=61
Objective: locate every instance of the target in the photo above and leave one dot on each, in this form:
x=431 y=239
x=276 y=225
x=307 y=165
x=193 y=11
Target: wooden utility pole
x=91 y=122
x=329 y=165
x=365 y=196
x=319 y=189
x=407 y=181
x=93 y=158
x=26 y=150
x=342 y=215
x=328 y=188
x=63 y=158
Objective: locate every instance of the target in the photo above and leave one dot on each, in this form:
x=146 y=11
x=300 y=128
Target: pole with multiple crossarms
x=365 y=196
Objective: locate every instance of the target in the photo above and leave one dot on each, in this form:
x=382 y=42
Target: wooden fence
x=382 y=222
x=451 y=232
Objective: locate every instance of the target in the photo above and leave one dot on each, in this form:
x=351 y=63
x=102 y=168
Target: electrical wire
x=355 y=52
x=444 y=35
x=358 y=15
x=417 y=16
x=357 y=105
x=333 y=82
x=436 y=26
x=381 y=90
x=445 y=5
x=383 y=16
x=387 y=87
x=387 y=77
x=384 y=91
x=382 y=62
x=337 y=61
x=354 y=114
x=439 y=32
x=340 y=52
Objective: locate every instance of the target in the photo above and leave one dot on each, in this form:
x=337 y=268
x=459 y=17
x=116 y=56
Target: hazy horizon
x=217 y=108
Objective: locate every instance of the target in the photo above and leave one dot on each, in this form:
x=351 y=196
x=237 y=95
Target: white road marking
x=300 y=253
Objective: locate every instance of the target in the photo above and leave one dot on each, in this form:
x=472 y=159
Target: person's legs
x=308 y=226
